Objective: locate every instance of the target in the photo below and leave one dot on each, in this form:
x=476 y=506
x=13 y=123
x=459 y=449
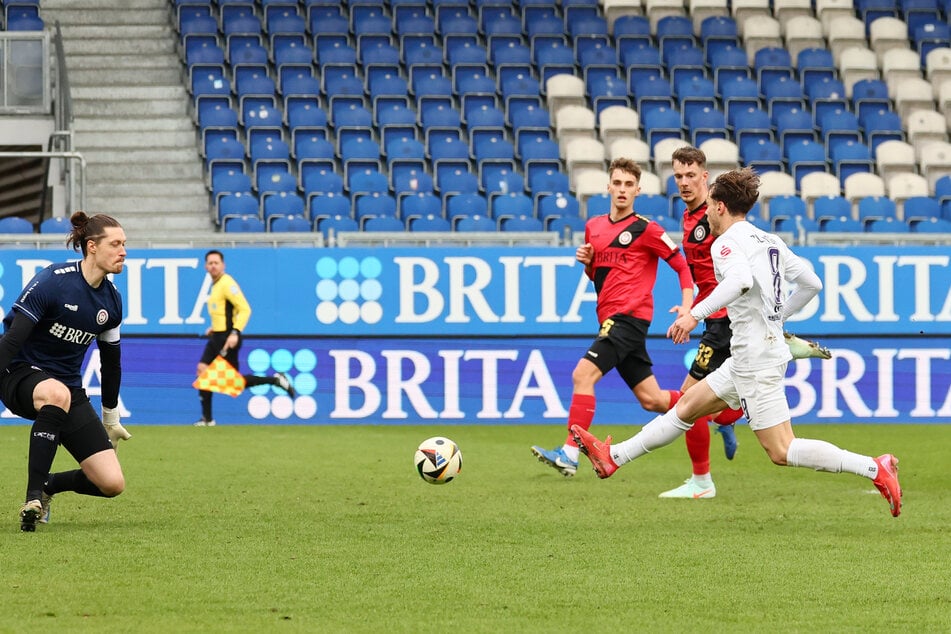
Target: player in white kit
x=754 y=270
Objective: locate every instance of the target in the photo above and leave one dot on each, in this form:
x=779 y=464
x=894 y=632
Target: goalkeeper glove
x=115 y=430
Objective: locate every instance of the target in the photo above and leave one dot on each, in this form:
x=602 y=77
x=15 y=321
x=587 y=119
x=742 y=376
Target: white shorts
x=760 y=393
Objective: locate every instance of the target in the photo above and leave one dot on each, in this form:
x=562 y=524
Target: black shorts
x=216 y=341
x=83 y=434
x=622 y=344
x=714 y=347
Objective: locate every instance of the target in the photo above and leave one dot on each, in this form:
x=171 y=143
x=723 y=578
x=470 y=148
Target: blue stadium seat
x=15 y=224
x=804 y=157
x=373 y=205
x=762 y=155
x=466 y=204
x=331 y=225
x=831 y=207
x=282 y=204
x=428 y=223
x=290 y=224
x=813 y=64
x=521 y=223
x=825 y=94
x=770 y=63
x=631 y=29
x=383 y=223
x=727 y=64
x=785 y=207
x=920 y=208
x=244 y=224
x=641 y=61
x=473 y=223
x=869 y=94
x=876 y=208
x=419 y=205
x=567 y=226
x=880 y=125
x=557 y=205
x=236 y=204
x=749 y=124
x=662 y=123
x=511 y=205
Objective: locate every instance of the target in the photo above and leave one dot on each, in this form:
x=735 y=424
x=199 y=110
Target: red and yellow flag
x=220 y=376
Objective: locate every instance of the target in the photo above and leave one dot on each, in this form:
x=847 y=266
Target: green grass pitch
x=329 y=529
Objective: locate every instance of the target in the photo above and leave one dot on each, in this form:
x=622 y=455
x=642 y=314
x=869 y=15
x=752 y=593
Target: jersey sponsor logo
x=625 y=238
x=72 y=307
x=102 y=316
x=72 y=335
x=725 y=251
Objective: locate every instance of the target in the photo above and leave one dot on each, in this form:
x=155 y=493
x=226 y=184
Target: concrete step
x=140 y=225
x=134 y=108
x=138 y=31
x=156 y=172
x=98 y=77
x=151 y=189
x=134 y=140
x=142 y=157
x=92 y=5
x=134 y=124
x=197 y=205
x=101 y=60
x=102 y=16
x=126 y=47
x=119 y=93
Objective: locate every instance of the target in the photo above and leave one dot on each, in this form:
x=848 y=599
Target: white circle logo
x=102 y=316
x=625 y=238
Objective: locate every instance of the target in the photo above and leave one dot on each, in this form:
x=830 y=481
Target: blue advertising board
x=472 y=292
x=491 y=335
x=445 y=381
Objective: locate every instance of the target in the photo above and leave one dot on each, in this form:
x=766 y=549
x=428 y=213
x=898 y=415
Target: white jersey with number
x=764 y=265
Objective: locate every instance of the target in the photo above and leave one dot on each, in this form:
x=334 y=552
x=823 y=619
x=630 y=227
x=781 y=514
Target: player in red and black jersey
x=620 y=256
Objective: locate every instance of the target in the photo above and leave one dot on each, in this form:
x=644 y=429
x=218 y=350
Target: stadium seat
x=861 y=184
x=15 y=224
x=244 y=224
x=876 y=208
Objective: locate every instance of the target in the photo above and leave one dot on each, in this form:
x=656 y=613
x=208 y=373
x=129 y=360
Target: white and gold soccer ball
x=438 y=460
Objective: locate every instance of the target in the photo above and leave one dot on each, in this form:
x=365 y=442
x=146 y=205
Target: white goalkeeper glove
x=115 y=430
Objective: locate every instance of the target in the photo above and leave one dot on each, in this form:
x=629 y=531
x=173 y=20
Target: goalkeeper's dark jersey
x=624 y=267
x=69 y=314
x=697 y=242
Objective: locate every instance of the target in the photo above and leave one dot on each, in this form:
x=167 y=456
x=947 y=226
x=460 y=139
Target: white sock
x=704 y=479
x=663 y=430
x=824 y=456
x=571 y=452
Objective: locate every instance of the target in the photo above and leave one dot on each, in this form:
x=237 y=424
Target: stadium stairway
x=130 y=116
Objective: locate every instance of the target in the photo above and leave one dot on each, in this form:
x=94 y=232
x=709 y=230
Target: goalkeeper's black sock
x=44 y=439
x=74 y=480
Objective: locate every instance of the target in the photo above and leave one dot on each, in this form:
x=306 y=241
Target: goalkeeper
x=58 y=314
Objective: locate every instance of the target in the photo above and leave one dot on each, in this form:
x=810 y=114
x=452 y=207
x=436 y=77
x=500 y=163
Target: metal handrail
x=72 y=156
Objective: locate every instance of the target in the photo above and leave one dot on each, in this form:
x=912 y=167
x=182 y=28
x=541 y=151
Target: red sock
x=698 y=445
x=674 y=397
x=581 y=413
x=728 y=416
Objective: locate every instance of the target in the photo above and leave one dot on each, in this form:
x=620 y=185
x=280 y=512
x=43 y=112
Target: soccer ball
x=438 y=460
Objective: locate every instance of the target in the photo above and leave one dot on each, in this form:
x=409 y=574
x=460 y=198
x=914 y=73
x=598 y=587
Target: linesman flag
x=220 y=376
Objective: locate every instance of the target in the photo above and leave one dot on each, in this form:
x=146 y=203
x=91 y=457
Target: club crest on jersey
x=725 y=251
x=625 y=238
x=102 y=316
x=699 y=233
